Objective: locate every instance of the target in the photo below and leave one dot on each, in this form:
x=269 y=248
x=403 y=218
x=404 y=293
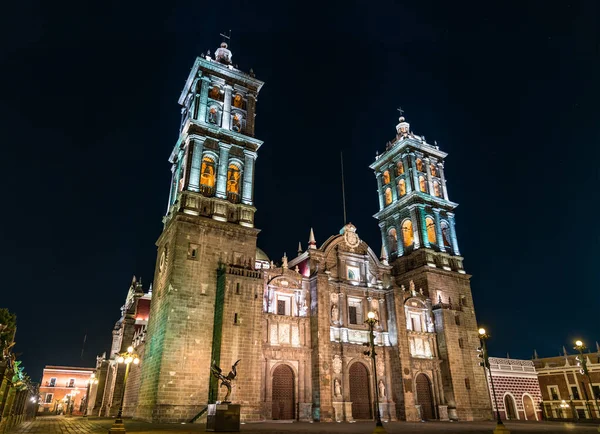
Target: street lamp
x=582 y=361
x=371 y=321
x=483 y=336
x=128 y=358
x=92 y=380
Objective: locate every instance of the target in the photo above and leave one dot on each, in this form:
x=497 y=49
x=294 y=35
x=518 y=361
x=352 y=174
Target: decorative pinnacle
x=299 y=247
x=312 y=244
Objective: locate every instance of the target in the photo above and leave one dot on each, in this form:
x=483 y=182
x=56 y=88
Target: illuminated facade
x=416 y=218
x=298 y=326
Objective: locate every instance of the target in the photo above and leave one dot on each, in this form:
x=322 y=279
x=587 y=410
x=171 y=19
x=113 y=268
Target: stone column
x=407 y=180
x=423 y=225
x=382 y=315
x=343 y=309
x=247 y=189
x=251 y=113
x=380 y=191
x=222 y=173
x=400 y=239
x=429 y=180
x=197 y=149
x=438 y=229
x=453 y=238
x=226 y=124
x=415 y=222
x=203 y=99
x=413 y=171
x=172 y=189
x=443 y=178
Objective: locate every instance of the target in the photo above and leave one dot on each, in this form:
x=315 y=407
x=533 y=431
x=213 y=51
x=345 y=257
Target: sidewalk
x=80 y=425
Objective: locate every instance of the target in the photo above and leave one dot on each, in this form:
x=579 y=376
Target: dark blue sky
x=89 y=116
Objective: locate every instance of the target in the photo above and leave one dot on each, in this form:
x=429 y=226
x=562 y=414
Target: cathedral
x=297 y=326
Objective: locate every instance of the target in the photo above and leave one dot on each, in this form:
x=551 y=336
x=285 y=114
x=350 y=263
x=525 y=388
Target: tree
x=8 y=328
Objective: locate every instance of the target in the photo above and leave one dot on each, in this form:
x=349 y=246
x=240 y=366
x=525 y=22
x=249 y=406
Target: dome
x=261 y=256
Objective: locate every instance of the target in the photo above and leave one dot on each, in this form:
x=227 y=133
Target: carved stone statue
x=225 y=379
x=335 y=313
x=337 y=387
x=381 y=389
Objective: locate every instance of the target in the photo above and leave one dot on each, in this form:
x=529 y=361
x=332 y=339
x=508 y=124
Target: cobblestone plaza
x=79 y=425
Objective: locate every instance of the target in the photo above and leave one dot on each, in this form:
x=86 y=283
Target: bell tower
x=207 y=247
x=416 y=218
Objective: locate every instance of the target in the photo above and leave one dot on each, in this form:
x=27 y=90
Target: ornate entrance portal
x=360 y=392
x=283 y=393
x=424 y=397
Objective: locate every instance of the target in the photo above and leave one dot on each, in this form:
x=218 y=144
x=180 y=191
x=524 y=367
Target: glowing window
x=393 y=240
x=422 y=184
x=49 y=397
x=407 y=233
x=233 y=179
x=437 y=191
x=207 y=177
x=388 y=196
x=386 y=177
x=399 y=168
x=238 y=101
x=419 y=165
x=445 y=233
x=433 y=170
x=430 y=225
x=215 y=92
x=401 y=187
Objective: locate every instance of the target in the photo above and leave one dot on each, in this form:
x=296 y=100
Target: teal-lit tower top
x=416 y=216
x=213 y=159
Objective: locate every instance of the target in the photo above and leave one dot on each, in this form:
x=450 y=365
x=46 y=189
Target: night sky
x=89 y=116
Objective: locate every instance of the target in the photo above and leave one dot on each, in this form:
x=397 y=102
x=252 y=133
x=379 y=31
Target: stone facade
x=517 y=389
x=298 y=328
x=566 y=392
x=64 y=386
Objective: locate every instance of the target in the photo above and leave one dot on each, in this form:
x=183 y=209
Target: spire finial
x=299 y=247
x=565 y=351
x=223 y=54
x=535 y=354
x=312 y=244
x=284 y=261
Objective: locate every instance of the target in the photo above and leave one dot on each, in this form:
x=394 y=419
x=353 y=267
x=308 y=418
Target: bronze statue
x=225 y=379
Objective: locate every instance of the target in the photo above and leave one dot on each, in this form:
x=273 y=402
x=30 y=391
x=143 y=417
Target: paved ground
x=79 y=425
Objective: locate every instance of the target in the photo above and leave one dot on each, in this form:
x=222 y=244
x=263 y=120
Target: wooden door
x=283 y=393
x=425 y=397
x=360 y=391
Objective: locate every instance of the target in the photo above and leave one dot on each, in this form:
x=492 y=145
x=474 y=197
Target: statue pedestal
x=223 y=418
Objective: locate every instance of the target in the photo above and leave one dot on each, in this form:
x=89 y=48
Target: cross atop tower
x=400 y=111
x=228 y=37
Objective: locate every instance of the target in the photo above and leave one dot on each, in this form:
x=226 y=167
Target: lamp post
x=371 y=321
x=580 y=346
x=92 y=380
x=483 y=337
x=128 y=358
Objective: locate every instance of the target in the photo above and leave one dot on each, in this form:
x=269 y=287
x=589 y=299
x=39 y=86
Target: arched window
x=238 y=101
x=386 y=177
x=422 y=184
x=437 y=191
x=419 y=165
x=388 y=196
x=233 y=179
x=446 y=233
x=214 y=114
x=392 y=240
x=236 y=122
x=215 y=93
x=399 y=168
x=430 y=225
x=407 y=233
x=433 y=170
x=401 y=187
x=207 y=171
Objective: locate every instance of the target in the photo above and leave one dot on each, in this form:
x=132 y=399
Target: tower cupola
x=223 y=54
